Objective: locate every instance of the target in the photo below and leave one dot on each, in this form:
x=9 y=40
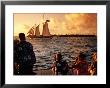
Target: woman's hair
x=82 y=56
x=58 y=56
x=94 y=56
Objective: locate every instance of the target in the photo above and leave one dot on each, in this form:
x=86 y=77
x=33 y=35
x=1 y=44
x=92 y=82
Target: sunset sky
x=64 y=23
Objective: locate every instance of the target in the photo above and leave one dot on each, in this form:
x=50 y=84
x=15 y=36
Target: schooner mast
x=34 y=31
x=45 y=31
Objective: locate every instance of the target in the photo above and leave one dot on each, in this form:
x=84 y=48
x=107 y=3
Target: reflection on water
x=69 y=47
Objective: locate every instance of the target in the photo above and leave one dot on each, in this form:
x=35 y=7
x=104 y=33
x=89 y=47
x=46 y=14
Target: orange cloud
x=81 y=23
x=67 y=23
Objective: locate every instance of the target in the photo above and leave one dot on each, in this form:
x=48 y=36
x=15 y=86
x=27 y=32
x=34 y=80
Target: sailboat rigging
x=35 y=33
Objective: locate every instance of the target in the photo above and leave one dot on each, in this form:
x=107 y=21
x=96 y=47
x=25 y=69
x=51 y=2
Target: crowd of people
x=79 y=67
x=24 y=59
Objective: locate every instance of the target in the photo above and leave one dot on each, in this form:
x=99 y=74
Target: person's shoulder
x=28 y=43
x=17 y=45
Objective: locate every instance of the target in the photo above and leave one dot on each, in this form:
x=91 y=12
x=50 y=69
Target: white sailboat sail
x=45 y=31
x=34 y=31
x=37 y=32
x=31 y=32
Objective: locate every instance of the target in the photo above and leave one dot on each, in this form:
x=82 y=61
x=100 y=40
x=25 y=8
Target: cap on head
x=21 y=36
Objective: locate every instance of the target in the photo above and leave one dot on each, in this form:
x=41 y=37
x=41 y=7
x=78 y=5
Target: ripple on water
x=68 y=46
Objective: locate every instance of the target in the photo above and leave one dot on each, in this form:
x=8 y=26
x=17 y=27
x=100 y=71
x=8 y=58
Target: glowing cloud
x=81 y=23
x=60 y=23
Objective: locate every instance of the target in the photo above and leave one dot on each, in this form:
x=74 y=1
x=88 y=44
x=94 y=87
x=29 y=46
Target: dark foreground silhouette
x=24 y=57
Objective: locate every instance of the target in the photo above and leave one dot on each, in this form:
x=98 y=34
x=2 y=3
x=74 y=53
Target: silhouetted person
x=26 y=56
x=15 y=57
x=60 y=66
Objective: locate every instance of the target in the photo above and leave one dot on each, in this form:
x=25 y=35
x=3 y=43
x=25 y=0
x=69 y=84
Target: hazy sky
x=59 y=23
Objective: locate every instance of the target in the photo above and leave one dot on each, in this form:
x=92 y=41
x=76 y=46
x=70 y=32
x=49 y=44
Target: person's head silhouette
x=82 y=56
x=58 y=57
x=22 y=36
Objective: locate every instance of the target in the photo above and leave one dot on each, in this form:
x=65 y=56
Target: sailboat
x=35 y=33
x=46 y=32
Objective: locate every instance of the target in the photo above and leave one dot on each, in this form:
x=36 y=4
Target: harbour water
x=70 y=47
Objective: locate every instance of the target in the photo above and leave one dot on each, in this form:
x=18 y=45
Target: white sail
x=34 y=31
x=37 y=32
x=45 y=31
x=31 y=31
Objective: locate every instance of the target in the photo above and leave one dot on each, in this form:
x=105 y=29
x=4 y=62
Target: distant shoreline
x=75 y=35
x=70 y=36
